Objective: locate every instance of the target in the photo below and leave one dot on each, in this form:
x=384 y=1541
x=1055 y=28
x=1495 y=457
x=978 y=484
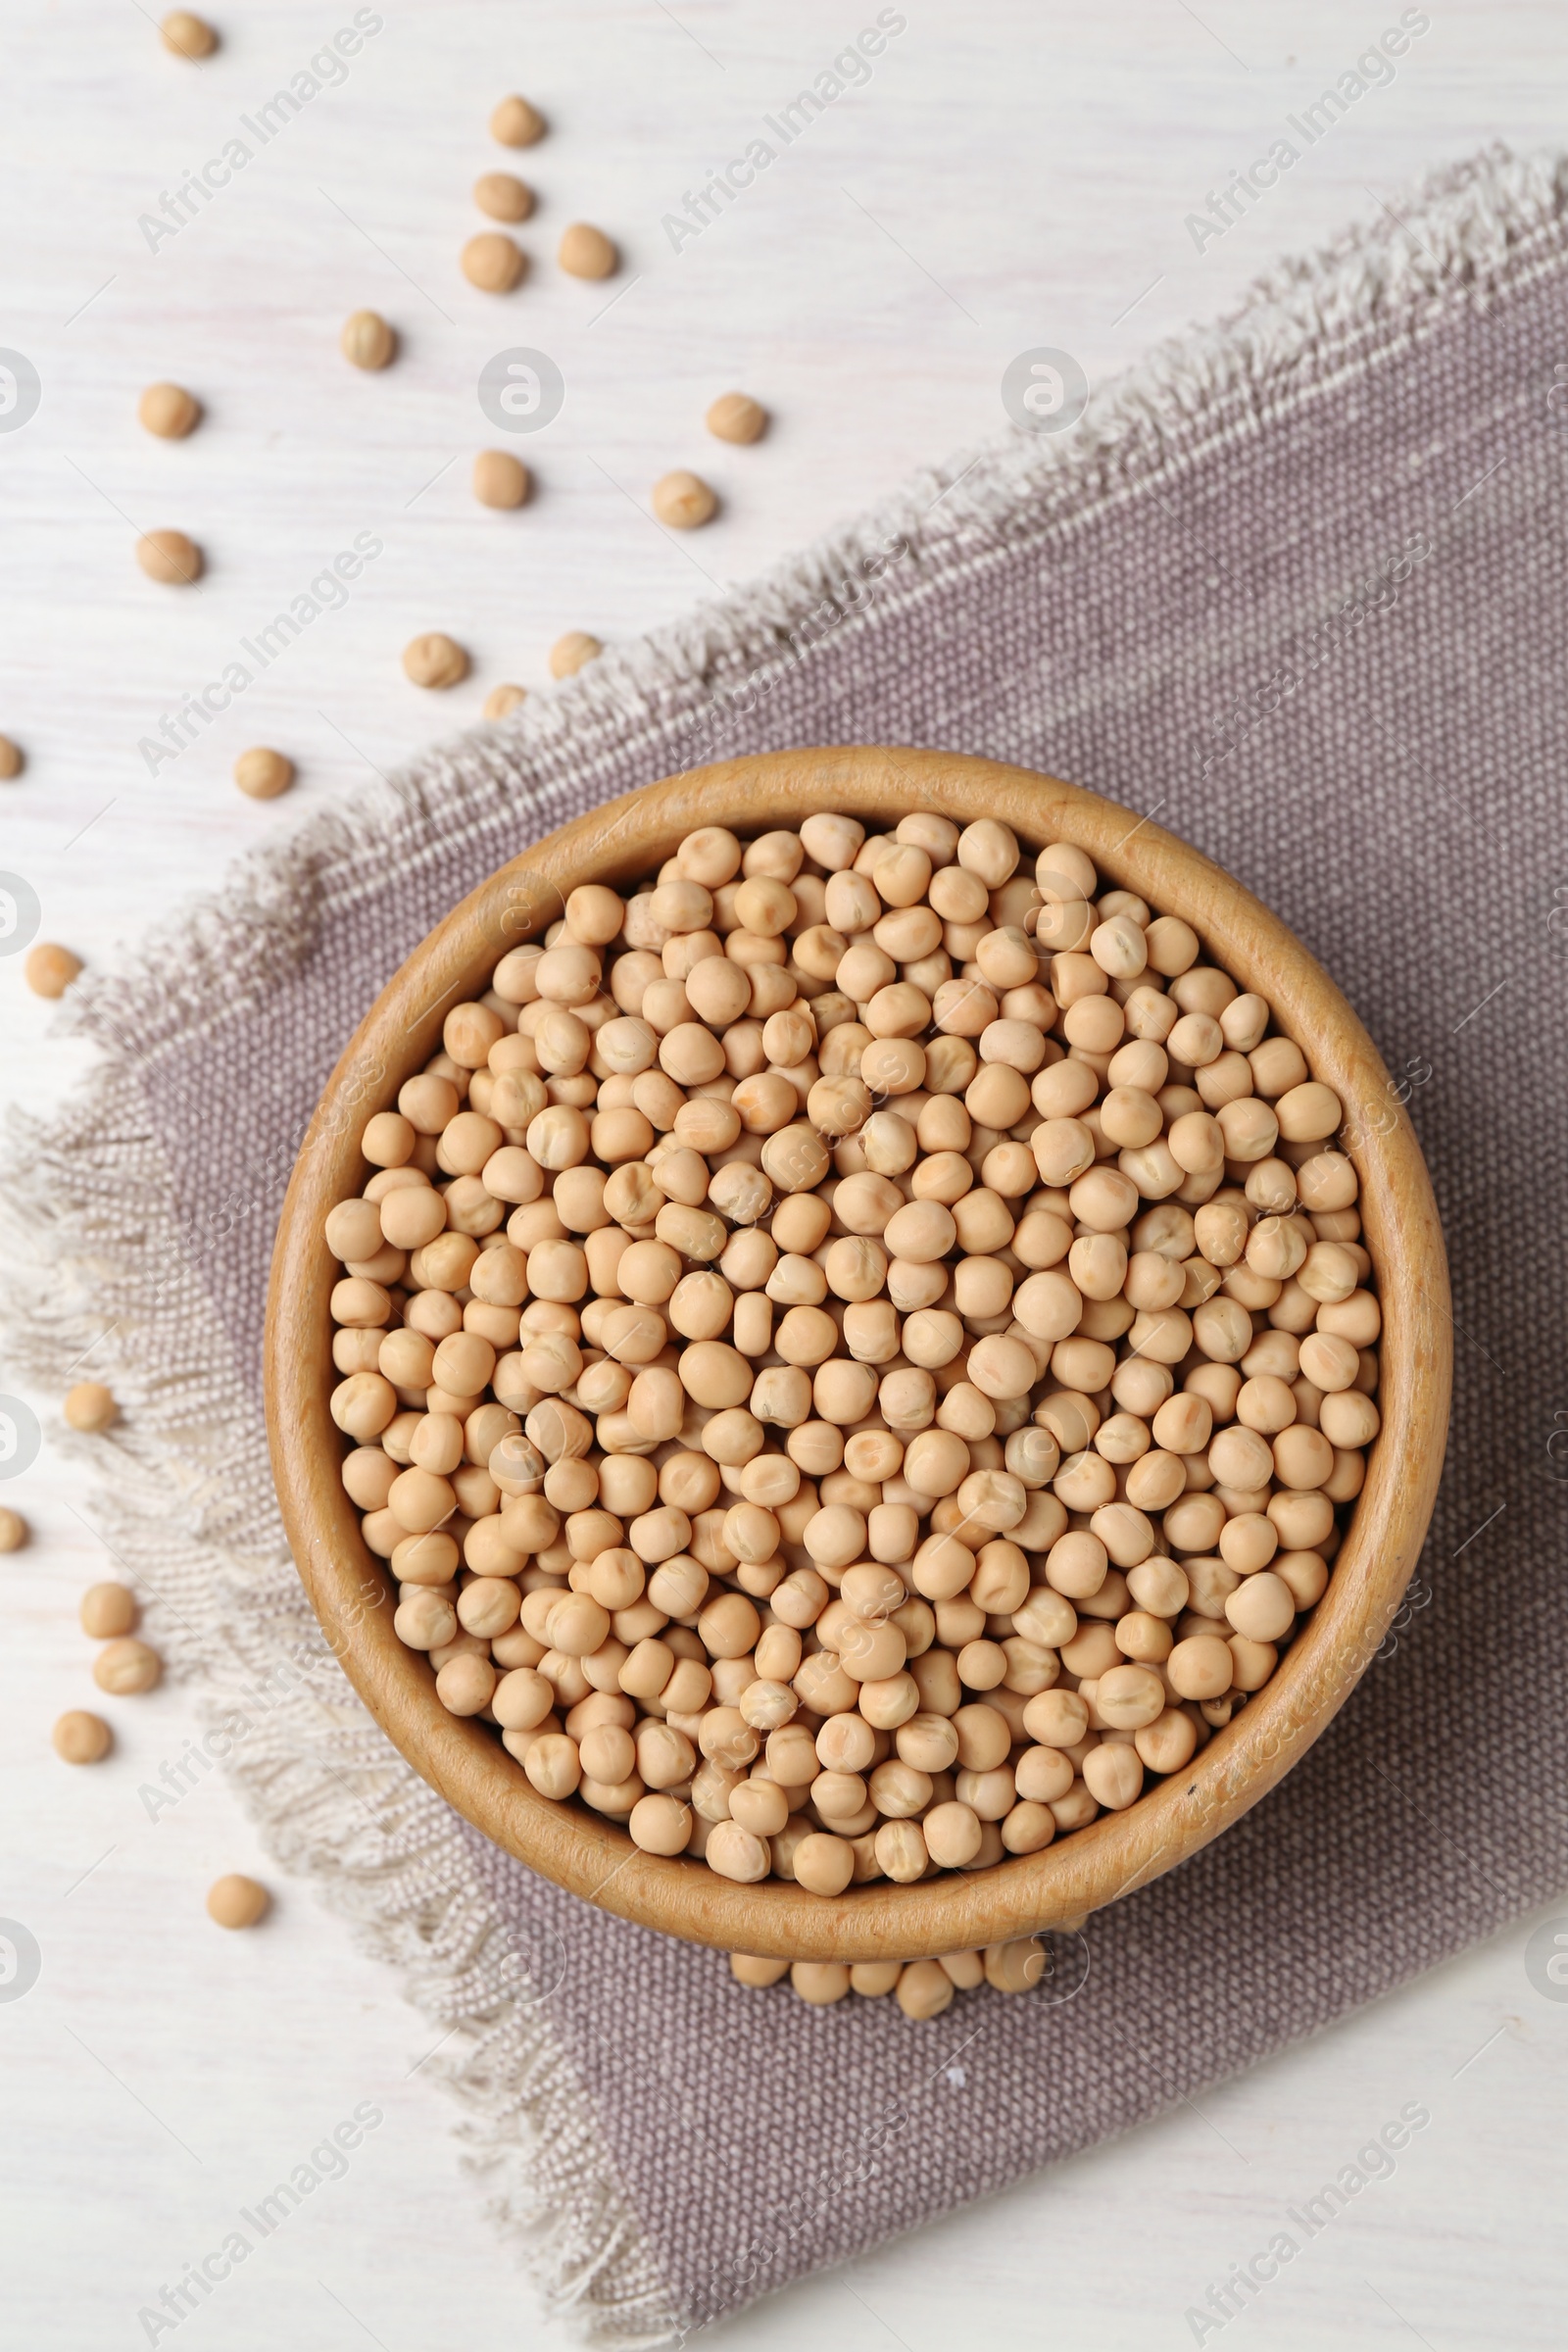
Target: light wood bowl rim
x=1078 y=1874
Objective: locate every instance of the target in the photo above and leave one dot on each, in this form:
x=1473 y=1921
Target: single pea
x=50 y=969
x=236 y=1901
x=747 y=1970
x=262 y=774
x=435 y=660
x=80 y=1737
x=187 y=36
x=170 y=557
x=586 y=251
x=502 y=196
x=736 y=417
x=683 y=501
x=493 y=262
x=572 y=653
x=108 y=1609
x=500 y=479
x=126 y=1667
x=367 y=340
x=168 y=411
x=90 y=1406
x=515 y=123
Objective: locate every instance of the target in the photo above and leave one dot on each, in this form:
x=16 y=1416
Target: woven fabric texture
x=1292 y=589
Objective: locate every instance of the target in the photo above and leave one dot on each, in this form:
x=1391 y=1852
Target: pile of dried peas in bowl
x=855 y=1351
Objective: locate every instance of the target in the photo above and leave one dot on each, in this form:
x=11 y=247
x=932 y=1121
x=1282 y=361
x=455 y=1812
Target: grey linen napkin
x=1295 y=586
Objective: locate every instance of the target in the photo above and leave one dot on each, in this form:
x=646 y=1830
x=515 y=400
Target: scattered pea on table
x=435 y=660
x=168 y=411
x=736 y=417
x=367 y=340
x=262 y=774
x=586 y=251
x=684 y=501
x=236 y=1901
x=80 y=1737
x=515 y=123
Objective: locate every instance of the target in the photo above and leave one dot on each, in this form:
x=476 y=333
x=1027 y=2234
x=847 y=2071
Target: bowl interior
x=1079 y=1873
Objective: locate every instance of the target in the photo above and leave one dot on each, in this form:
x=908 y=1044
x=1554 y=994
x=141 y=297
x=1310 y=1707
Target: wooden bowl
x=1078 y=1874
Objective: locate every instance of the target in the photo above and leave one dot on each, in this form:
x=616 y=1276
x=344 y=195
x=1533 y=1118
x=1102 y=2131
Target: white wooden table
x=1006 y=176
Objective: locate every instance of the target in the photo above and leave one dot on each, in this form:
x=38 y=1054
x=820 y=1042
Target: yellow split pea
x=168 y=411
x=736 y=417
x=586 y=251
x=170 y=558
x=235 y=1901
x=572 y=653
x=435 y=660
x=500 y=479
x=493 y=262
x=262 y=774
x=367 y=340
x=50 y=969
x=515 y=123
x=187 y=36
x=502 y=196
x=684 y=501
x=80 y=1737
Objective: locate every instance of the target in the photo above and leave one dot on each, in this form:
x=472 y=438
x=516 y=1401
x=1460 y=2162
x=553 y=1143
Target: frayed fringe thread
x=188 y=1505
